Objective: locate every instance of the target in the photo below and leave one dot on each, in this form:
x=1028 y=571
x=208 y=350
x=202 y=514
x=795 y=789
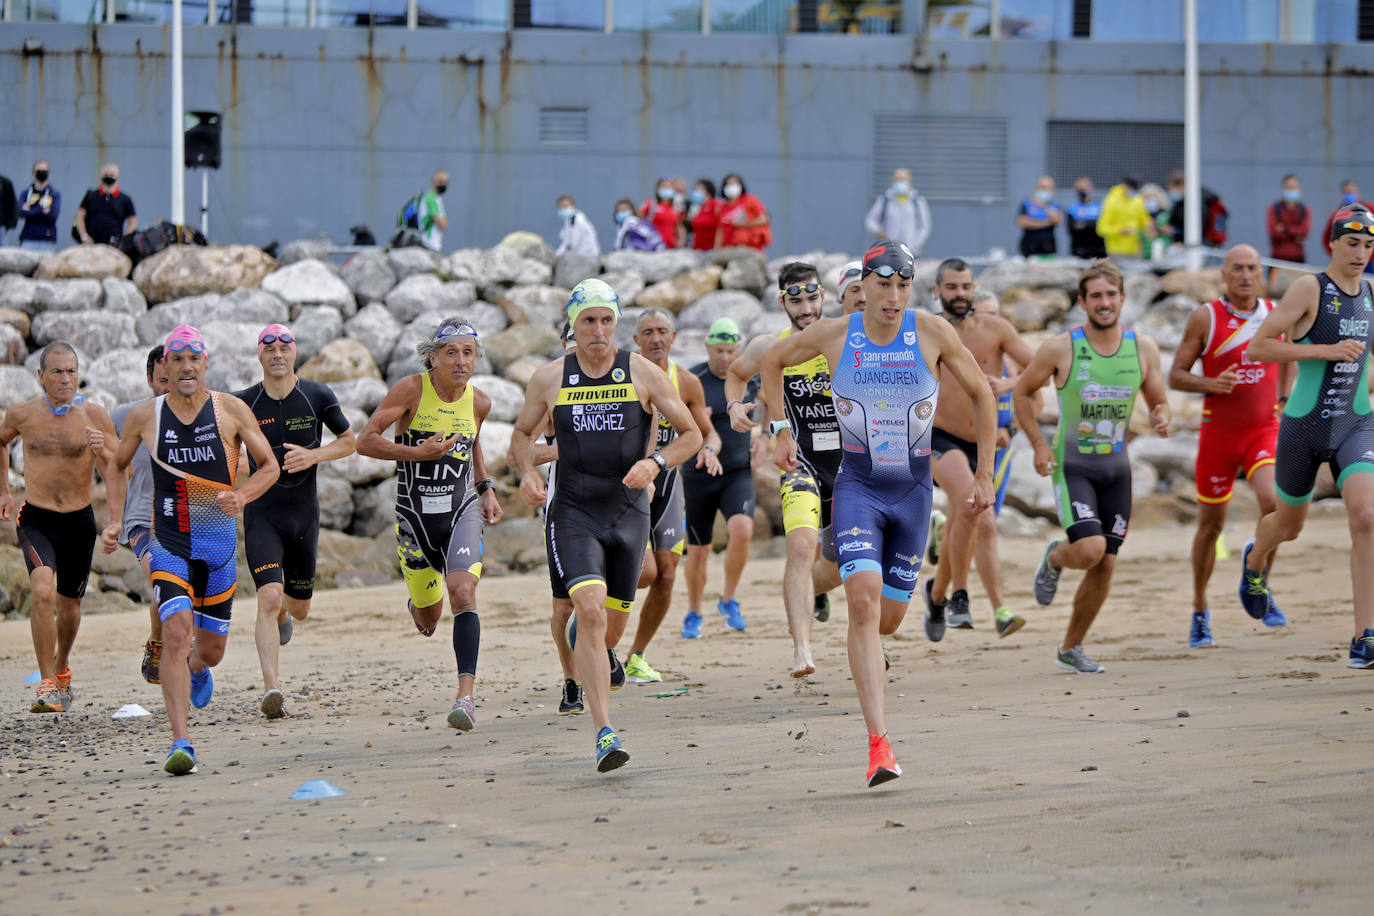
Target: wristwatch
x=778 y=426
x=658 y=459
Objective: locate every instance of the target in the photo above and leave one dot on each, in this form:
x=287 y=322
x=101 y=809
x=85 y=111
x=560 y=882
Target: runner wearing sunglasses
x=1324 y=324
x=886 y=366
x=281 y=529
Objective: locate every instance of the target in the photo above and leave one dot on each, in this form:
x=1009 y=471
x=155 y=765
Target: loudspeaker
x=202 y=139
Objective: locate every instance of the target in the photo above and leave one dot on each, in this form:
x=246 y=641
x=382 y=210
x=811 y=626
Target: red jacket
x=1288 y=227
x=704 y=225
x=665 y=218
x=750 y=208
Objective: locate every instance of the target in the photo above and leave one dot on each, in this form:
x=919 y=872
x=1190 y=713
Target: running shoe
x=1046 y=577
x=1200 y=633
x=1362 y=651
x=152 y=659
x=822 y=611
x=1077 y=661
x=1254 y=587
x=182 y=758
x=935 y=616
x=691 y=626
x=617 y=671
x=882 y=764
x=285 y=628
x=1274 y=617
x=957 y=613
x=49 y=698
x=730 y=611
x=638 y=671
x=273 y=704
x=609 y=754
x=463 y=715
x=571 y=702
x=202 y=688
x=937 y=528
x=63 y=681
x=1007 y=622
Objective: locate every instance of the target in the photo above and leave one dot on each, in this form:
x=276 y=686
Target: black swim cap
x=888 y=257
x=1351 y=219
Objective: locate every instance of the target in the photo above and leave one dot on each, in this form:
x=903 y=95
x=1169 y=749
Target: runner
x=1240 y=426
x=807 y=491
x=138 y=510
x=730 y=492
x=850 y=289
x=1326 y=322
x=443 y=493
x=281 y=529
x=193 y=436
x=654 y=335
x=887 y=365
x=1097 y=369
x=954 y=460
x=602 y=400
x=65 y=438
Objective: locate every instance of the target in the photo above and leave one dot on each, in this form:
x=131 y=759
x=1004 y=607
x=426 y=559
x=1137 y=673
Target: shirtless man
x=65 y=438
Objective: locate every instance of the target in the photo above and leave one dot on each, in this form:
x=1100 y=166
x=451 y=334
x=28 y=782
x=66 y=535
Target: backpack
x=1214 y=223
x=409 y=217
x=139 y=245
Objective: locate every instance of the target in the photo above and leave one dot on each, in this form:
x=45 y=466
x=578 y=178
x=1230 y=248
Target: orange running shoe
x=63 y=680
x=49 y=698
x=882 y=765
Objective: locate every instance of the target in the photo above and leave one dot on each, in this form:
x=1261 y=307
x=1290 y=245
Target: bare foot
x=802 y=665
x=424 y=631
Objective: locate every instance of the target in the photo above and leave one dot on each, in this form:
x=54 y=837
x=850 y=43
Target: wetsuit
x=1092 y=479
x=1327 y=418
x=1239 y=430
x=194 y=558
x=885 y=399
x=731 y=493
x=596 y=527
x=808 y=492
x=667 y=511
x=281 y=528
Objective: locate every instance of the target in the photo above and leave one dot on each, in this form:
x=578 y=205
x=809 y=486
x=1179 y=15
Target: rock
x=746 y=274
x=76 y=295
x=316 y=326
x=120 y=295
x=767 y=323
x=511 y=536
x=376 y=328
x=254 y=306
x=19 y=260
x=529 y=245
x=362 y=393
x=1031 y=309
x=495 y=440
x=506 y=397
x=493 y=270
x=677 y=293
x=179 y=271
x=369 y=275
x=16 y=319
x=1203 y=285
x=311 y=282
x=507 y=346
x=521 y=370
x=135 y=582
x=1184 y=406
x=1165 y=321
x=627 y=286
x=232 y=372
x=122 y=372
x=17 y=383
x=13 y=350
x=488 y=319
x=1171 y=457
x=344 y=358
x=20 y=294
x=95 y=331
x=336 y=502
x=1027 y=491
x=721 y=257
x=422 y=293
x=358 y=470
x=653 y=266
x=374 y=511
x=1277 y=287
x=92 y=262
x=154 y=325
x=409 y=261
x=999 y=278
x=569 y=269
x=535 y=304
x=305 y=249
x=223 y=338
x=733 y=303
x=1144 y=479
x=1143 y=287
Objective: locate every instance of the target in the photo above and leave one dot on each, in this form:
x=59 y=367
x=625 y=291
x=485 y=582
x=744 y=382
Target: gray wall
x=324 y=129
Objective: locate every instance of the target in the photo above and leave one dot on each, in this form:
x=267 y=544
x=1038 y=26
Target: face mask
x=622 y=215
x=1175 y=196
x=1347 y=198
x=1292 y=195
x=698 y=196
x=567 y=212
x=1152 y=206
x=108 y=182
x=665 y=193
x=901 y=188
x=1043 y=196
x=732 y=190
x=42 y=175
x=440 y=189
x=1085 y=196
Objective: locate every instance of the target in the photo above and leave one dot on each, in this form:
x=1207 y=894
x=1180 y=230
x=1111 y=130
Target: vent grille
x=563 y=126
x=1105 y=151
x=951 y=157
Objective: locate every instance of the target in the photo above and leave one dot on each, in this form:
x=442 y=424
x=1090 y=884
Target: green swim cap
x=591 y=293
x=723 y=331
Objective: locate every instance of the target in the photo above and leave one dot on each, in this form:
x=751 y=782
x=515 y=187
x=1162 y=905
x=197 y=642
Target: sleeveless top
x=885 y=399
x=437 y=486
x=1251 y=402
x=665 y=434
x=809 y=407
x=601 y=430
x=1333 y=392
x=1095 y=403
x=192 y=465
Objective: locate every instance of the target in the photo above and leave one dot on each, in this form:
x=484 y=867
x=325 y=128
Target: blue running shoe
x=1274 y=617
x=730 y=611
x=1254 y=589
x=691 y=626
x=202 y=688
x=609 y=754
x=182 y=759
x=1200 y=635
x=1362 y=651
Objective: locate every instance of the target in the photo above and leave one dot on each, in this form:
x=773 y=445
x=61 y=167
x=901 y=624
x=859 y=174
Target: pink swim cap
x=277 y=332
x=184 y=337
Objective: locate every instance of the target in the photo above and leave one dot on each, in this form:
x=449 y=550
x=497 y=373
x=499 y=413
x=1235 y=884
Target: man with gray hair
x=443 y=493
x=900 y=213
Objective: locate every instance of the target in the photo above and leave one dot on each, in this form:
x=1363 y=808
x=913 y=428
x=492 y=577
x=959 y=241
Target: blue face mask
x=1292 y=195
x=1151 y=206
x=567 y=212
x=622 y=215
x=665 y=193
x=901 y=188
x=698 y=196
x=1175 y=196
x=1349 y=198
x=1043 y=195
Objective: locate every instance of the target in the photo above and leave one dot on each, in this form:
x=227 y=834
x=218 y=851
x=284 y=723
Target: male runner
x=65 y=438
x=1240 y=426
x=886 y=367
x=138 y=510
x=654 y=335
x=281 y=529
x=602 y=400
x=730 y=492
x=193 y=436
x=1326 y=320
x=443 y=493
x=1097 y=369
x=850 y=288
x=807 y=490
x=954 y=460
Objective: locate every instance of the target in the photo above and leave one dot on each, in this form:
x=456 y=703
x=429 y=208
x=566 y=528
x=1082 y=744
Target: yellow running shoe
x=638 y=671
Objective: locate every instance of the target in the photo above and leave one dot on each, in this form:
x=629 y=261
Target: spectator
x=577 y=234
x=703 y=214
x=40 y=205
x=1084 y=242
x=1213 y=214
x=106 y=212
x=430 y=212
x=1124 y=222
x=634 y=233
x=664 y=214
x=743 y=219
x=1350 y=194
x=9 y=208
x=900 y=213
x=1037 y=217
x=1288 y=221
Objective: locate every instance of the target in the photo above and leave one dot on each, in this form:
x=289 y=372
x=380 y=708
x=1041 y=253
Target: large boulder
x=179 y=271
x=999 y=278
x=736 y=304
x=232 y=372
x=654 y=266
x=412 y=260
x=1033 y=309
x=495 y=439
x=95 y=331
x=493 y=270
x=17 y=383
x=16 y=319
x=122 y=372
x=422 y=293
x=676 y=293
x=361 y=393
x=155 y=324
x=33 y=296
x=19 y=260
x=253 y=306
x=369 y=275
x=506 y=397
x=488 y=319
x=76 y=295
x=224 y=337
x=535 y=304
x=374 y=509
x=1027 y=491
x=530 y=245
x=314 y=327
x=13 y=350
x=627 y=286
x=336 y=502
x=358 y=470
x=120 y=295
x=377 y=328
x=521 y=370
x=92 y=262
x=1174 y=456
x=305 y=250
x=341 y=359
x=506 y=540
x=571 y=268
x=745 y=273
x=507 y=346
x=1165 y=320
x=1203 y=285
x=311 y=282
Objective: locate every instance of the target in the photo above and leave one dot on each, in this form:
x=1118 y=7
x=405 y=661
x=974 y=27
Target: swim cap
x=889 y=257
x=1351 y=219
x=185 y=337
x=276 y=332
x=723 y=331
x=591 y=293
x=849 y=273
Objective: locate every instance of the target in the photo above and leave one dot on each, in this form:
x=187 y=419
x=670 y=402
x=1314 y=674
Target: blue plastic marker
x=317 y=788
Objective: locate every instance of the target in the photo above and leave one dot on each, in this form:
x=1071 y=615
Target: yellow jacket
x=1122 y=223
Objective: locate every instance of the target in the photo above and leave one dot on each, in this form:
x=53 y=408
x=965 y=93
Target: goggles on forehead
x=798 y=289
x=887 y=270
x=285 y=337
x=851 y=272
x=195 y=346
x=1358 y=227
x=456 y=330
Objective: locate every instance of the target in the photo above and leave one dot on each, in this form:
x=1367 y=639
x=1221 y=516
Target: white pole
x=995 y=19
x=205 y=202
x=211 y=14
x=706 y=17
x=311 y=13
x=178 y=123
x=1192 y=157
x=608 y=16
x=412 y=14
x=110 y=12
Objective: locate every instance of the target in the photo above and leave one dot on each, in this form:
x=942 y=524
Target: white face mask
x=901 y=188
x=732 y=190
